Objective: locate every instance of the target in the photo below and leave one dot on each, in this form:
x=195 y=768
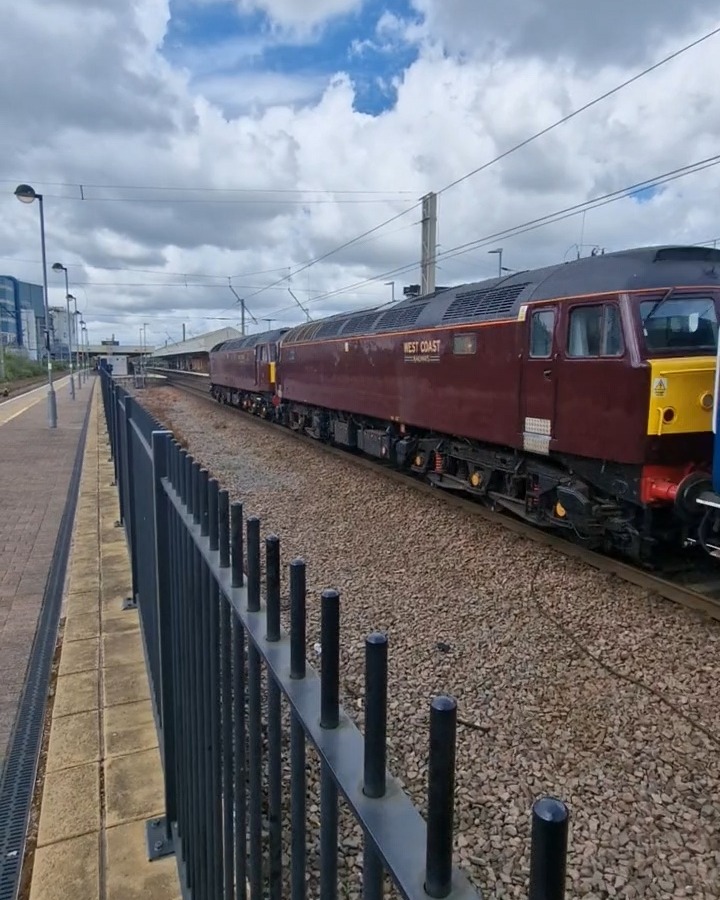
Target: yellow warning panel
x=681 y=395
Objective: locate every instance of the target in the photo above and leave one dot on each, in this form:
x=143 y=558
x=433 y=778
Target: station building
x=22 y=315
x=22 y=320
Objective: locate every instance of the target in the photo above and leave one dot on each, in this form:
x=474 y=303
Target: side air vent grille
x=402 y=317
x=360 y=324
x=490 y=303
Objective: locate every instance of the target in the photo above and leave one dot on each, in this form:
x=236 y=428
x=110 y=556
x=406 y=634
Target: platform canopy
x=203 y=343
x=116 y=349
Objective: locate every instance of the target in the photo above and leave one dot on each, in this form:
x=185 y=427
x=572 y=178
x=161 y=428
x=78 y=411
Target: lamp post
x=27 y=194
x=499 y=252
x=84 y=344
x=59 y=267
x=77 y=342
x=391 y=285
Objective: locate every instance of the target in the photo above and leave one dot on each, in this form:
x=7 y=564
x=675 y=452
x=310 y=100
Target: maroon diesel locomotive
x=578 y=396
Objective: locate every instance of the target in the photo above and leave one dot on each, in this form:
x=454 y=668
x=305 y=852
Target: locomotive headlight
x=706 y=401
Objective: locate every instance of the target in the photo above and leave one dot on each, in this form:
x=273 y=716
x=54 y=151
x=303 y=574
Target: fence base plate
x=130 y=603
x=158 y=844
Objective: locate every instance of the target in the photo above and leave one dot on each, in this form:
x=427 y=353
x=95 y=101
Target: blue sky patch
x=645 y=194
x=219 y=45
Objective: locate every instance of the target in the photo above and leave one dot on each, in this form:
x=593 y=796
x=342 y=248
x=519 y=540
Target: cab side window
x=595 y=331
x=542 y=326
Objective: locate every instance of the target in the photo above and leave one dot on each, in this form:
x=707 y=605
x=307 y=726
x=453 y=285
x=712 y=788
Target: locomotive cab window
x=595 y=331
x=679 y=323
x=542 y=326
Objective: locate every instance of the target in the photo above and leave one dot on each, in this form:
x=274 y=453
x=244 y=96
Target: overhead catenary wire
x=210 y=190
x=593 y=203
x=531 y=225
x=163 y=272
x=204 y=200
x=581 y=109
x=447 y=187
x=524 y=143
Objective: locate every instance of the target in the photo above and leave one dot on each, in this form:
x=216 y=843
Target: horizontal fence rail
x=239 y=711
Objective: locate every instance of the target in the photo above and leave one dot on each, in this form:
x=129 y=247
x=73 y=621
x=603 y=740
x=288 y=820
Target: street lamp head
x=70 y=297
x=25 y=193
x=58 y=267
x=499 y=250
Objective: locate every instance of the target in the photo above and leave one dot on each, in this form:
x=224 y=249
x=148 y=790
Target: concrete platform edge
x=103 y=773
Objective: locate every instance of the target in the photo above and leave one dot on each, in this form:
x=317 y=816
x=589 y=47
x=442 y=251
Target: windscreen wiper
x=657 y=305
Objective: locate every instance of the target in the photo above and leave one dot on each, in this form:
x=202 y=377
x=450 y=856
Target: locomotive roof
x=251 y=340
x=500 y=298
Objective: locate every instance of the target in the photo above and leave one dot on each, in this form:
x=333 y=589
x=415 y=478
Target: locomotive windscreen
x=680 y=323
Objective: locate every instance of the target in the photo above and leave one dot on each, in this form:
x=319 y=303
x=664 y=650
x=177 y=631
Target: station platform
x=99 y=777
x=36 y=469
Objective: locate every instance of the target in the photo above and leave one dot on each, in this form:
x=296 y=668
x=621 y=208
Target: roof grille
x=297 y=334
x=359 y=324
x=488 y=303
x=331 y=327
x=306 y=333
x=402 y=317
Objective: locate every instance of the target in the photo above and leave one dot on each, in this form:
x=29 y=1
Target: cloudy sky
x=182 y=144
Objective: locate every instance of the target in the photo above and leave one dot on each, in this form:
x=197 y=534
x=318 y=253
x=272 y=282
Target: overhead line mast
x=429 y=244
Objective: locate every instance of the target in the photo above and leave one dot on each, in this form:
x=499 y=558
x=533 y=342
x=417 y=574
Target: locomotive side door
x=539 y=359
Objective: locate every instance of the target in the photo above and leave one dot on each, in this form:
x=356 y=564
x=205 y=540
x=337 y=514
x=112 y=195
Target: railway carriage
x=579 y=396
x=243 y=371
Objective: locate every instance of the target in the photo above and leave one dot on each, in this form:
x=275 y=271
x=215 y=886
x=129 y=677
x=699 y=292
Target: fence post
x=329 y=718
x=375 y=752
x=116 y=434
x=548 y=849
x=120 y=451
x=130 y=521
x=298 y=777
x=441 y=796
x=159 y=831
x=110 y=417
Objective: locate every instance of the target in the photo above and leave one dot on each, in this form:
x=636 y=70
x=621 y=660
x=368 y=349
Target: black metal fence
x=230 y=746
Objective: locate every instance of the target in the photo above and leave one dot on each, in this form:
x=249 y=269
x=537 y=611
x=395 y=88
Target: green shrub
x=17 y=367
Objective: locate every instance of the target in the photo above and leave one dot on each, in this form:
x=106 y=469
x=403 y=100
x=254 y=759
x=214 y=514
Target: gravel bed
x=583 y=686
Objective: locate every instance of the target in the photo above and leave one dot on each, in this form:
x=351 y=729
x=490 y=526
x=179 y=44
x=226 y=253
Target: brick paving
x=35 y=468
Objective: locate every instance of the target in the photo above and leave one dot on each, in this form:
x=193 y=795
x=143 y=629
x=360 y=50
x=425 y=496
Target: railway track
x=693 y=582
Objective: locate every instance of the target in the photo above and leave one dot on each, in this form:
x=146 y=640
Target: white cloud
x=590 y=34
x=300 y=14
x=257 y=90
x=92 y=100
